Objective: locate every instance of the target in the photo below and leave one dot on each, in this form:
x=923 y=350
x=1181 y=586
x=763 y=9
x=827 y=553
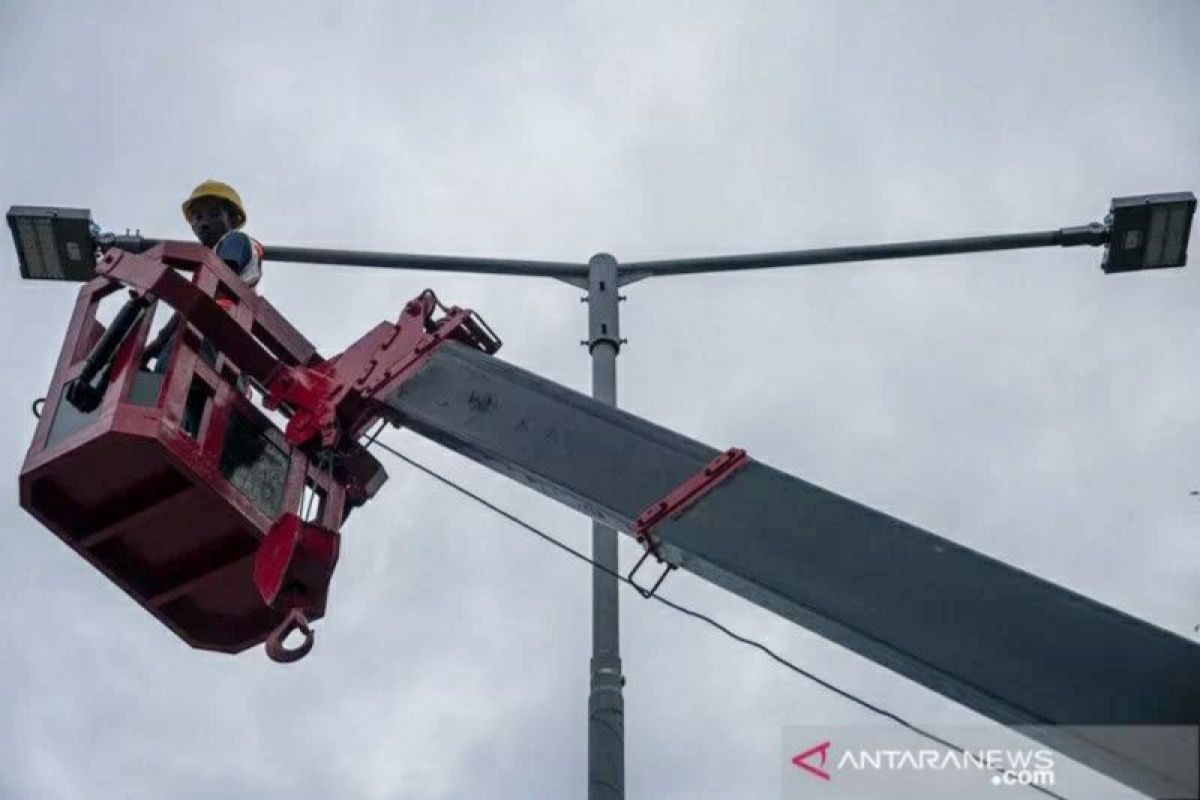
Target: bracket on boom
x=676 y=501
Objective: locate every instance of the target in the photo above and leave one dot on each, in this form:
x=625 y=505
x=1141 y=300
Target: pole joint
x=602 y=299
x=1094 y=234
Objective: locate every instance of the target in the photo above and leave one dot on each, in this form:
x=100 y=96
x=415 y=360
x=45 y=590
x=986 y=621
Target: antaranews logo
x=822 y=750
x=1009 y=767
x=983 y=761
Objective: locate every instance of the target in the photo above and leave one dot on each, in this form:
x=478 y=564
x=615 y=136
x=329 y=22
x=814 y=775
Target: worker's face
x=210 y=220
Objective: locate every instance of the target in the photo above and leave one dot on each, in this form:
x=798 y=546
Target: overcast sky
x=1020 y=403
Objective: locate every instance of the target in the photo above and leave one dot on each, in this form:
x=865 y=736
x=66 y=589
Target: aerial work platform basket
x=168 y=476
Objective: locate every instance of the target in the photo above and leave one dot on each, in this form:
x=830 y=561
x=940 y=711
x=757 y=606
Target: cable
x=37 y=406
x=696 y=614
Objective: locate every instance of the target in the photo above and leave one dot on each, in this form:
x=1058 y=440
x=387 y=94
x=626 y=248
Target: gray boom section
x=1005 y=643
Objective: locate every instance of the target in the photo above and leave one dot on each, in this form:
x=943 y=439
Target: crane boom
x=1014 y=647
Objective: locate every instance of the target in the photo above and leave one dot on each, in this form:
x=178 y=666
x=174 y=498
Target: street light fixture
x=1148 y=231
x=54 y=243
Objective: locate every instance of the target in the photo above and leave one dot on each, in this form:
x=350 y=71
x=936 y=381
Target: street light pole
x=606 y=708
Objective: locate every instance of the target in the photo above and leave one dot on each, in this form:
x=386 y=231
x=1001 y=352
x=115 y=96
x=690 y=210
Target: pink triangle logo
x=821 y=750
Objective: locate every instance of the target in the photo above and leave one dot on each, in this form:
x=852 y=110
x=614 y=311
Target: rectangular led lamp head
x=1148 y=231
x=53 y=243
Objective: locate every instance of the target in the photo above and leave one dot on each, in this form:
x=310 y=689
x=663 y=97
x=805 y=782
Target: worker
x=216 y=214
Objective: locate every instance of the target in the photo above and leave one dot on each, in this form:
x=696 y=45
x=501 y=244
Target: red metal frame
x=141 y=498
x=330 y=400
x=341 y=397
x=138 y=488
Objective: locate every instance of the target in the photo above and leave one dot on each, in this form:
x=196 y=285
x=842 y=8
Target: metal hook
x=295 y=621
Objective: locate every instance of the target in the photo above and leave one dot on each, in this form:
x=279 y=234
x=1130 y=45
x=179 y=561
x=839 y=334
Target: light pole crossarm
x=576 y=273
x=1094 y=234
x=362 y=258
x=564 y=270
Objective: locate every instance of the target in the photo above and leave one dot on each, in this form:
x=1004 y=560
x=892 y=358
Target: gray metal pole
x=486 y=266
x=1092 y=235
x=606 y=707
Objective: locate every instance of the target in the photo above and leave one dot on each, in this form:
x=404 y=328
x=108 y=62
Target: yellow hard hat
x=221 y=191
